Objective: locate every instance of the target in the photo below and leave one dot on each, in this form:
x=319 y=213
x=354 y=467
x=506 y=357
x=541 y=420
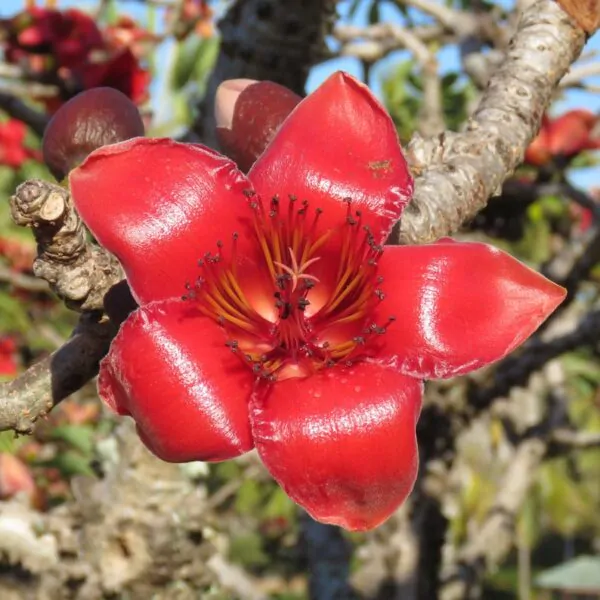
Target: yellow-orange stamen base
x=296 y=339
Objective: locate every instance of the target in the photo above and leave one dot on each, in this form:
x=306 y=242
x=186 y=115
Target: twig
x=22 y=281
x=462 y=22
x=565 y=440
x=34 y=393
x=516 y=369
x=17 y=109
x=77 y=271
x=458 y=172
x=494 y=538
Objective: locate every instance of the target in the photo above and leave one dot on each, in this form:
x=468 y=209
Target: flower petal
x=342 y=442
x=170 y=370
x=459 y=306
x=339 y=143
x=159 y=206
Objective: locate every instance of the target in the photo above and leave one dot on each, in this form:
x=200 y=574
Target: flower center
x=306 y=301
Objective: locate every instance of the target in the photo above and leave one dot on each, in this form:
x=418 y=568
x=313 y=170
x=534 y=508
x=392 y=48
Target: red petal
x=342 y=443
x=159 y=206
x=339 y=143
x=170 y=370
x=459 y=306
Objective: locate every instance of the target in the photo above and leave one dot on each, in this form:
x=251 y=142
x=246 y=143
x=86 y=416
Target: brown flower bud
x=92 y=119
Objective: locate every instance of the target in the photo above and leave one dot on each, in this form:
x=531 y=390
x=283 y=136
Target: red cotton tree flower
x=273 y=316
x=564 y=137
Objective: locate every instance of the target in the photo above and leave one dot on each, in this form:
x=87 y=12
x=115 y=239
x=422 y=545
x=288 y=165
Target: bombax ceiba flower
x=273 y=316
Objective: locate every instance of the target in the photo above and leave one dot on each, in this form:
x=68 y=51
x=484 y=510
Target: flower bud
x=248 y=114
x=92 y=119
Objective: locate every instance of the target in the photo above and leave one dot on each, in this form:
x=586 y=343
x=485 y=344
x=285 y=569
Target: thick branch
x=35 y=392
x=78 y=272
x=495 y=536
x=267 y=39
x=458 y=172
x=515 y=370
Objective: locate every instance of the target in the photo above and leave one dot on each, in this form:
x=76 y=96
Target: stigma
x=305 y=300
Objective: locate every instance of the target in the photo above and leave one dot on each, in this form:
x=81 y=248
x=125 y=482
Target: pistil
x=296 y=343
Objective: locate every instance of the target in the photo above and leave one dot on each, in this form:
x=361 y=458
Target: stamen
x=290 y=343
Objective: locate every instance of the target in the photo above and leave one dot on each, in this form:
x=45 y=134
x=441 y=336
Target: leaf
x=249 y=497
x=80 y=437
x=194 y=57
x=71 y=463
x=374 y=15
x=247 y=550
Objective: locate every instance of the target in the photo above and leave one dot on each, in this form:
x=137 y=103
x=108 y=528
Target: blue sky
x=448 y=60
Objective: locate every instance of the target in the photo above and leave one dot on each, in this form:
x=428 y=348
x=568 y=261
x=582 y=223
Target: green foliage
x=403 y=97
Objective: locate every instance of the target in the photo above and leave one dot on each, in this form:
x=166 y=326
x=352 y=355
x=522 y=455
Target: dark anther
x=319 y=211
x=221 y=320
x=379 y=280
x=256 y=368
x=330 y=363
x=303 y=303
x=380 y=294
x=359 y=340
x=287 y=309
x=219 y=244
x=249 y=193
x=292 y=197
x=232 y=345
x=235 y=235
x=309 y=284
x=358 y=213
x=351 y=220
x=253 y=205
x=347 y=200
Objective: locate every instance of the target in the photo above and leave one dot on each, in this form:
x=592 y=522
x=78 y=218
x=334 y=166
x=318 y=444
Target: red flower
x=566 y=136
x=68 y=35
x=69 y=46
x=120 y=70
x=13 y=152
x=299 y=332
x=8 y=363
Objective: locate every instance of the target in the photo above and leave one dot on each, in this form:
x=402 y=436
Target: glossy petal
x=458 y=306
x=170 y=370
x=159 y=206
x=342 y=443
x=339 y=143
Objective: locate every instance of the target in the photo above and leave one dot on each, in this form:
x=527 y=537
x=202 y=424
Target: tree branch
x=17 y=109
x=42 y=386
x=268 y=40
x=515 y=370
x=78 y=272
x=456 y=173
